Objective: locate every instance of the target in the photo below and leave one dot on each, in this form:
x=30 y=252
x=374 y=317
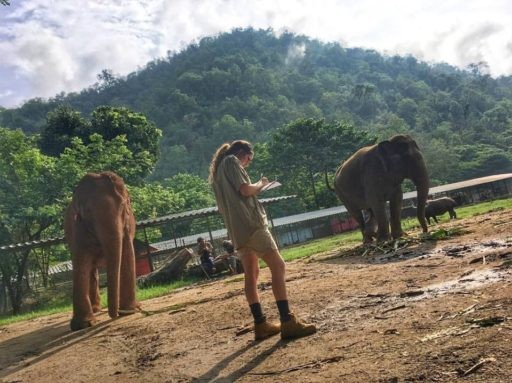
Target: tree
x=196 y=194
x=103 y=155
x=309 y=148
x=194 y=190
x=482 y=160
x=142 y=136
x=31 y=198
x=154 y=200
x=62 y=124
x=106 y=79
x=228 y=129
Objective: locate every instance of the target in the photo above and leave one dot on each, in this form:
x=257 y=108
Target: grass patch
x=5 y=320
x=322 y=245
x=464 y=212
x=445 y=233
x=61 y=305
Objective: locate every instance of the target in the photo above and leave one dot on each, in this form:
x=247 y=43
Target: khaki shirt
x=242 y=215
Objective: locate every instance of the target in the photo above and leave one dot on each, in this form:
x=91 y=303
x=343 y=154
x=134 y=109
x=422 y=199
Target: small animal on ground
x=439 y=206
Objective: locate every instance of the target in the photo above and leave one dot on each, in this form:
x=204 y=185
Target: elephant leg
x=395 y=207
x=370 y=224
x=127 y=300
x=83 y=316
x=94 y=290
x=452 y=213
x=357 y=214
x=110 y=237
x=435 y=219
x=379 y=210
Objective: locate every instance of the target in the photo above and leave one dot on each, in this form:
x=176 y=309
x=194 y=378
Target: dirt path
x=430 y=312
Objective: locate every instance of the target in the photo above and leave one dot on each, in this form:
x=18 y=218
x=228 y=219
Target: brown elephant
x=440 y=206
x=99 y=228
x=372 y=176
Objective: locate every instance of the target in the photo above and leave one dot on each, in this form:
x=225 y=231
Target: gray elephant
x=440 y=206
x=372 y=176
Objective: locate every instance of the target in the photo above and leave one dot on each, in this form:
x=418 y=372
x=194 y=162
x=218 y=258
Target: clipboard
x=271 y=185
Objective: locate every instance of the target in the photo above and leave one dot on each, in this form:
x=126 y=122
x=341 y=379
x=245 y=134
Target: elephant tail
x=327 y=183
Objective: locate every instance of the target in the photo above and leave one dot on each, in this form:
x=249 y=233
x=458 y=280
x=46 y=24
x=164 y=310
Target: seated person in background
x=204 y=249
x=229 y=257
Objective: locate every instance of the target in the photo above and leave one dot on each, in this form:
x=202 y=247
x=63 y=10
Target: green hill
x=246 y=83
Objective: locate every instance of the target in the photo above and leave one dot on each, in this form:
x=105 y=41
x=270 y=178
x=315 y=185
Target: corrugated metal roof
x=189 y=240
x=199 y=213
x=309 y=215
x=60 y=267
x=32 y=244
x=461 y=185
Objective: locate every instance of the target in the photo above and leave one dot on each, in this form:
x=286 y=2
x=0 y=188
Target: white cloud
x=49 y=47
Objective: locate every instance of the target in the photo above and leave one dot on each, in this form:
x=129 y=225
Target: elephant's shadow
x=32 y=347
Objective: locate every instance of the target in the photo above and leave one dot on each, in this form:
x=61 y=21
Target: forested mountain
x=247 y=83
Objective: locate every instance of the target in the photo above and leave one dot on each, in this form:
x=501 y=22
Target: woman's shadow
x=212 y=375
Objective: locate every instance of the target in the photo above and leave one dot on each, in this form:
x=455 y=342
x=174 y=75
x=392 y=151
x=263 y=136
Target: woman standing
x=246 y=222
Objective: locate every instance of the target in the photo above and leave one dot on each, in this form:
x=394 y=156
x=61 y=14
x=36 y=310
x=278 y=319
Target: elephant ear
x=384 y=153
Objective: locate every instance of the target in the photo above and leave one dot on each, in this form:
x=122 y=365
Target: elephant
x=440 y=206
x=372 y=176
x=99 y=228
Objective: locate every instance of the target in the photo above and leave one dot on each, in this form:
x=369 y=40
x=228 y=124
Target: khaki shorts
x=261 y=241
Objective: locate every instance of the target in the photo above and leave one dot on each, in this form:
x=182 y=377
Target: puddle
x=478 y=248
x=348 y=312
x=472 y=281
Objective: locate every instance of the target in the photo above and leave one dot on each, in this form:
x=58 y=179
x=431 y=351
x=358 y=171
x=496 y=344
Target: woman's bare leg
x=276 y=265
x=251 y=274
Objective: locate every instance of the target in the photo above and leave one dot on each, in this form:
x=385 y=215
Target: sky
x=53 y=46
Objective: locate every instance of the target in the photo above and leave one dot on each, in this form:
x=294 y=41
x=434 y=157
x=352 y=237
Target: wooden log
x=220 y=267
x=170 y=271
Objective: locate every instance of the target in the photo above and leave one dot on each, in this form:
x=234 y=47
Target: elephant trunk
x=421 y=180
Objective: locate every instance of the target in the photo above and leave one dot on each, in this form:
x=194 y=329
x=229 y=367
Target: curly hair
x=236 y=147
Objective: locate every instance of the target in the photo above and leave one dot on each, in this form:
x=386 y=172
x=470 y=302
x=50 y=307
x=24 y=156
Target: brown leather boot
x=295 y=328
x=265 y=329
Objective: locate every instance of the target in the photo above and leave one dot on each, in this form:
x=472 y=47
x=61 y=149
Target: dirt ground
x=433 y=311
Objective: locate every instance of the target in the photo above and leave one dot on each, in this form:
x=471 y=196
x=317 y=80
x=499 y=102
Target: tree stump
x=170 y=271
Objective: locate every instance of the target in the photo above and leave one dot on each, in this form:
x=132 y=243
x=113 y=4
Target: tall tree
x=31 y=196
x=142 y=135
x=62 y=124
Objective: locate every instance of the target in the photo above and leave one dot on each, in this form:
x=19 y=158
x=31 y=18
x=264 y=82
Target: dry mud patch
x=434 y=311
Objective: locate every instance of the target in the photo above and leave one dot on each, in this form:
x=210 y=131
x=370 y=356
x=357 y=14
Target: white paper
x=271 y=185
